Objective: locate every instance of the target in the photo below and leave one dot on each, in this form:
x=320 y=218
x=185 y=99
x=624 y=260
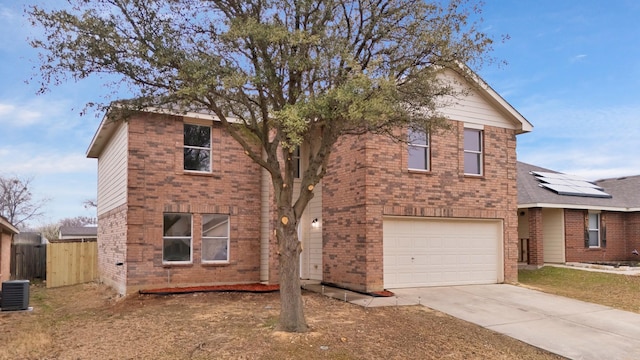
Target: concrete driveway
x=571 y=328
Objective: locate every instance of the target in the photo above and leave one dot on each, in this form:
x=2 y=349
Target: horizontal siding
x=112 y=171
x=315 y=235
x=265 y=228
x=523 y=223
x=472 y=107
x=553 y=235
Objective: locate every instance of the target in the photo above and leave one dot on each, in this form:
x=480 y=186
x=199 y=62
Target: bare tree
x=78 y=221
x=17 y=203
x=49 y=231
x=90 y=204
x=277 y=74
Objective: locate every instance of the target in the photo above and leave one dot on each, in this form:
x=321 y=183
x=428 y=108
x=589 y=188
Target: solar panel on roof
x=579 y=183
x=584 y=184
x=550 y=175
x=564 y=184
x=576 y=191
x=595 y=192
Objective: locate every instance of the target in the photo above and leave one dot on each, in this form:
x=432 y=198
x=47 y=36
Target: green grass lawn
x=614 y=290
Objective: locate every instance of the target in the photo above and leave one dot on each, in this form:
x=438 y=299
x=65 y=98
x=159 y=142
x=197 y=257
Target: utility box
x=15 y=295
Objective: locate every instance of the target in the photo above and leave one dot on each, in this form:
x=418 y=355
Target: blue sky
x=573 y=70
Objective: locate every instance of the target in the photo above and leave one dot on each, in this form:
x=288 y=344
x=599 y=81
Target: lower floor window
x=215 y=238
x=176 y=238
x=594 y=230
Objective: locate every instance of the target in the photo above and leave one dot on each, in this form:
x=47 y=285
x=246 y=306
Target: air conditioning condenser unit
x=15 y=295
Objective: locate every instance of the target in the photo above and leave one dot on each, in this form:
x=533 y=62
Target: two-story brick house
x=180 y=204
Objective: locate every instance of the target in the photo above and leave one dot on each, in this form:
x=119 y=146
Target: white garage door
x=433 y=252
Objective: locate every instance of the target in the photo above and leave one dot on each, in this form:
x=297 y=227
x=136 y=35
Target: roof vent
x=15 y=295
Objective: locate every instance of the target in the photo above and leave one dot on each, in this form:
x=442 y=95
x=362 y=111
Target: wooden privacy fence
x=28 y=262
x=71 y=262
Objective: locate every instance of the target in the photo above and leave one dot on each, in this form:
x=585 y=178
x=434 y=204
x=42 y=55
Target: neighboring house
x=563 y=218
x=78 y=232
x=7 y=231
x=179 y=204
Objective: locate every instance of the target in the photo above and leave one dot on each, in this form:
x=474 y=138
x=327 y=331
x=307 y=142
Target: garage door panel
x=431 y=252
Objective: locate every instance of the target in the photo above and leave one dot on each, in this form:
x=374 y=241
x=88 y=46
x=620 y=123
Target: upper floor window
x=419 y=150
x=176 y=238
x=197 y=148
x=296 y=162
x=215 y=238
x=594 y=230
x=473 y=152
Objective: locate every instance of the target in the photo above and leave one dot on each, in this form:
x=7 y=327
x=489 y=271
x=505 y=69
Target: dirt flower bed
x=90 y=322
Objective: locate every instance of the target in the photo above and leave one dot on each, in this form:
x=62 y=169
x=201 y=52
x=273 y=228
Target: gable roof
x=492 y=97
x=626 y=188
x=623 y=191
x=108 y=124
x=5 y=224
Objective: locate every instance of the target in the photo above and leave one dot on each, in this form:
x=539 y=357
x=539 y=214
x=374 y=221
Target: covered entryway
x=311 y=237
x=553 y=235
x=441 y=251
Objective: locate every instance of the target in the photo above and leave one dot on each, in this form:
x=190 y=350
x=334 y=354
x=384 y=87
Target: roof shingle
x=624 y=192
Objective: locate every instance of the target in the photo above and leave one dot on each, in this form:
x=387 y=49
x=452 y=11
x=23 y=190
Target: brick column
x=536 y=255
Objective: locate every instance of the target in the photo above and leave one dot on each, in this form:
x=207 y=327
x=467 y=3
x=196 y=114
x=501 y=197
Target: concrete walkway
x=571 y=328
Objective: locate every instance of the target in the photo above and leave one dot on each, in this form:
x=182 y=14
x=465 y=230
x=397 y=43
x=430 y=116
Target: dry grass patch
x=89 y=322
x=615 y=290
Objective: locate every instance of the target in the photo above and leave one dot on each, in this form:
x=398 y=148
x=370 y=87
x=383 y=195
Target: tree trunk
x=291 y=307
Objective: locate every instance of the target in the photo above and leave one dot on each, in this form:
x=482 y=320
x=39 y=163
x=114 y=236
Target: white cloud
x=578 y=58
x=6 y=13
x=58 y=115
x=29 y=159
x=6 y=109
x=25 y=114
x=588 y=142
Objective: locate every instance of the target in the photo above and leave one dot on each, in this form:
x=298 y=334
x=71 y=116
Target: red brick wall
x=158 y=184
x=112 y=236
x=614 y=225
x=617 y=247
x=345 y=222
x=368 y=178
x=632 y=234
x=536 y=237
x=574 y=235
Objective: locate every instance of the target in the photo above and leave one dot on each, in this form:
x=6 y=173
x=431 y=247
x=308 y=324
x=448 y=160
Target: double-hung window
x=594 y=230
x=197 y=148
x=473 y=152
x=419 y=150
x=295 y=156
x=176 y=238
x=215 y=238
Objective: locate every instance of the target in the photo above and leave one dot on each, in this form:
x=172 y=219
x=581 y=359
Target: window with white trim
x=197 y=148
x=295 y=156
x=215 y=238
x=176 y=238
x=473 y=152
x=594 y=230
x=419 y=150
